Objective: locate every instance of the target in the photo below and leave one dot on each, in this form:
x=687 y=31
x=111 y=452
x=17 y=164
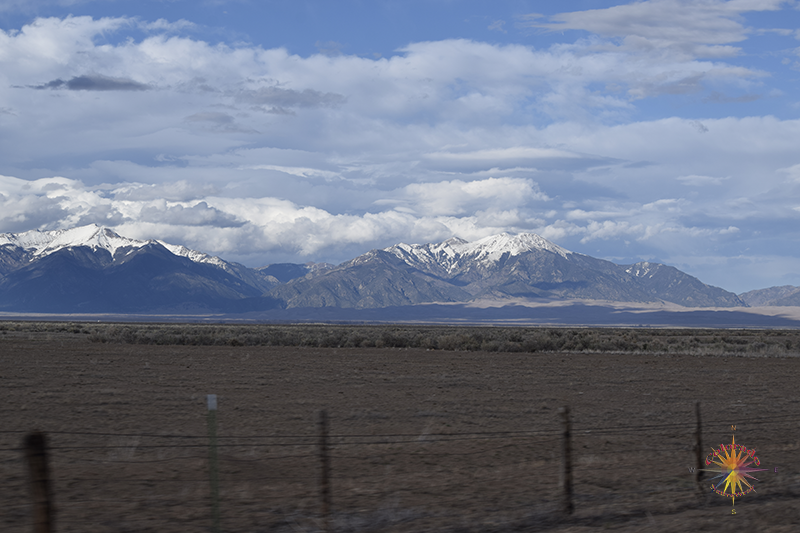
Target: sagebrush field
x=431 y=428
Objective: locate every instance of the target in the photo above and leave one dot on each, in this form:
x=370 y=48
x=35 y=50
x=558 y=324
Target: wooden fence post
x=698 y=450
x=213 y=469
x=36 y=456
x=565 y=477
x=325 y=471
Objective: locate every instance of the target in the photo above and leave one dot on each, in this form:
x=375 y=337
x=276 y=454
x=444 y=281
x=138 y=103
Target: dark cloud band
x=95 y=83
x=282 y=98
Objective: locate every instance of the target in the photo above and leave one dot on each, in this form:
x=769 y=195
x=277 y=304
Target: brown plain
x=421 y=440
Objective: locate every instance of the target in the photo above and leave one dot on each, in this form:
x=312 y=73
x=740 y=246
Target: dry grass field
x=420 y=439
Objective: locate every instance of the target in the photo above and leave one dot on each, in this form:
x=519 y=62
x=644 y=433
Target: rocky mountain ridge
x=782 y=296
x=497 y=267
x=93 y=269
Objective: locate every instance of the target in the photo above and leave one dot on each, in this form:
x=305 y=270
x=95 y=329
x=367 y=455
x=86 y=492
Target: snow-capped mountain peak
x=41 y=243
x=455 y=253
x=494 y=246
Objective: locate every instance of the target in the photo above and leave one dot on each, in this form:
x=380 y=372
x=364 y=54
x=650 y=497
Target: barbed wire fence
x=569 y=471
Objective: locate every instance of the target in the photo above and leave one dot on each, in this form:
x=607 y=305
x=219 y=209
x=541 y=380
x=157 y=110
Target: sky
x=296 y=130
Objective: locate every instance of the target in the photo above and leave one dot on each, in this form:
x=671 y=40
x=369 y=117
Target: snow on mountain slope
x=42 y=243
x=493 y=247
x=454 y=254
x=194 y=255
x=643 y=269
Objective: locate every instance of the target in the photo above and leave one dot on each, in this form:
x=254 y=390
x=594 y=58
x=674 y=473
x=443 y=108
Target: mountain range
x=497 y=267
x=91 y=269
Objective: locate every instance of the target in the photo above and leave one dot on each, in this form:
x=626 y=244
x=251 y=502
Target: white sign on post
x=212 y=460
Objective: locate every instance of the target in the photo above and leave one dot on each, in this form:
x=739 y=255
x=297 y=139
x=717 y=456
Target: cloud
x=181 y=191
x=329 y=48
x=793 y=172
x=27 y=6
x=609 y=229
x=263 y=155
x=504 y=154
x=162 y=25
x=274 y=110
x=699 y=181
x=264 y=225
x=669 y=42
x=457 y=197
x=505 y=158
x=52 y=42
x=95 y=83
x=221 y=119
x=42 y=203
x=281 y=98
x=303 y=172
x=199 y=214
x=22 y=209
x=455 y=86
x=699 y=28
x=717 y=97
x=219 y=122
x=267 y=226
x=497 y=25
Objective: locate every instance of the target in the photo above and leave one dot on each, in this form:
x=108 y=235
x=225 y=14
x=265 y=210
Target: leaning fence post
x=698 y=449
x=36 y=456
x=565 y=477
x=213 y=471
x=325 y=471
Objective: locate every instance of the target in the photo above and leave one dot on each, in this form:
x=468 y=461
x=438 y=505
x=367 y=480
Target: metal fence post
x=697 y=446
x=36 y=456
x=213 y=470
x=325 y=471
x=565 y=477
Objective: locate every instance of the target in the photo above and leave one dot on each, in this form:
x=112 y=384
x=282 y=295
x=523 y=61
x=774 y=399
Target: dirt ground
x=419 y=440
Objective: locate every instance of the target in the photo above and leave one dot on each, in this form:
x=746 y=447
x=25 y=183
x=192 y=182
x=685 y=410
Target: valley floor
x=509 y=312
x=420 y=440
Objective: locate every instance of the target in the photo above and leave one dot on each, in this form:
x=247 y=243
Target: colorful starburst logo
x=734 y=470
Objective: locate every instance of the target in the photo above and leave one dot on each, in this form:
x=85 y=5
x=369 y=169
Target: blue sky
x=271 y=131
